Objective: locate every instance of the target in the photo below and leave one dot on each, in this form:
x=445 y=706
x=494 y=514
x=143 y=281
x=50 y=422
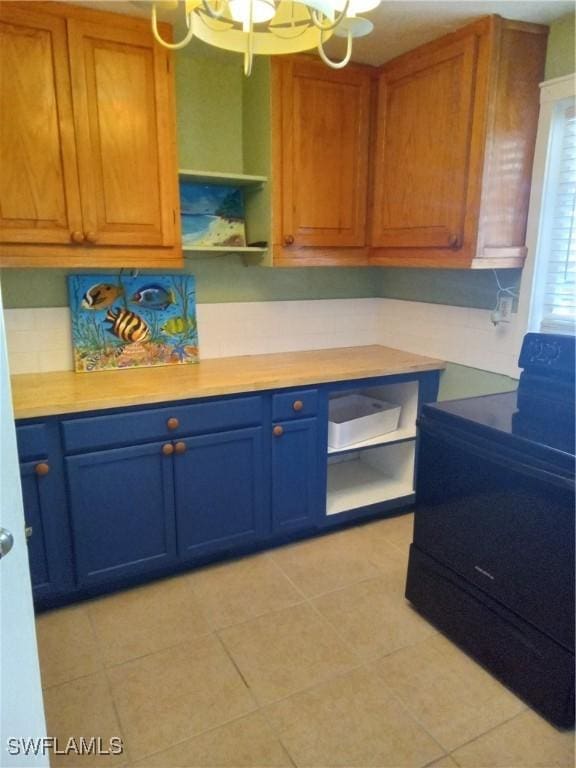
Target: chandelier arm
x=160 y=39
x=335 y=64
x=249 y=52
x=210 y=12
x=316 y=17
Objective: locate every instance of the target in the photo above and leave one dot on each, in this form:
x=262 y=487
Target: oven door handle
x=497 y=454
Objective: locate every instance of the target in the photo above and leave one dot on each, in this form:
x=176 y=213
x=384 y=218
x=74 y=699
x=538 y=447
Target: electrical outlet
x=505 y=304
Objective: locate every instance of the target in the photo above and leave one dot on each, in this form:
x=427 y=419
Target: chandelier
x=270 y=27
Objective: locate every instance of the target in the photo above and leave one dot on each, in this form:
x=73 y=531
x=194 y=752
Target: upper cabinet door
x=325 y=129
x=39 y=197
x=122 y=105
x=425 y=110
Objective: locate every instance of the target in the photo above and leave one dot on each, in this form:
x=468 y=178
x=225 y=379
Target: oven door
x=501 y=519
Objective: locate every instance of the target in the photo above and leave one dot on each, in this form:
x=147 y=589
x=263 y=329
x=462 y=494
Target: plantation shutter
x=558 y=309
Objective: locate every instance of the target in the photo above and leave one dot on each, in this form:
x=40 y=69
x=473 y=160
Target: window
x=553 y=307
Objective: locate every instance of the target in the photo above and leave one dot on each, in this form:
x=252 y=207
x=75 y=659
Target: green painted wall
x=561 y=59
x=461 y=381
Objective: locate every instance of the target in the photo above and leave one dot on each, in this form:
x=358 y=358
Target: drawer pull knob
x=172 y=423
x=297 y=405
x=42 y=469
x=453 y=241
x=288 y=239
x=278 y=431
x=28 y=531
x=76 y=237
x=167 y=449
x=91 y=237
x=180 y=447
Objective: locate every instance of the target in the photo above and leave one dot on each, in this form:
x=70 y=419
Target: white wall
x=40 y=339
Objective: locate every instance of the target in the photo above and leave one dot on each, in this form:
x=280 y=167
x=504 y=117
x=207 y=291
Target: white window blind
x=558 y=294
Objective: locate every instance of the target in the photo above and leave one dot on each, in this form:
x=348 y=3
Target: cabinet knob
x=28 y=531
x=297 y=405
x=172 y=423
x=278 y=431
x=42 y=469
x=180 y=447
x=77 y=237
x=288 y=239
x=91 y=237
x=454 y=241
x=167 y=449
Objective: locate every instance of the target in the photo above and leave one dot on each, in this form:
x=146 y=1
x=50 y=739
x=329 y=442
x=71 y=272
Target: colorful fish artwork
x=127 y=325
x=153 y=296
x=125 y=321
x=101 y=295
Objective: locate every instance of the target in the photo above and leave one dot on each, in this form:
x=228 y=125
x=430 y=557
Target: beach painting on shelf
x=212 y=215
x=120 y=321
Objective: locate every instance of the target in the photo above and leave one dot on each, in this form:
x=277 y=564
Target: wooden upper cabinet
x=121 y=100
x=39 y=193
x=456 y=128
x=424 y=126
x=87 y=147
x=321 y=134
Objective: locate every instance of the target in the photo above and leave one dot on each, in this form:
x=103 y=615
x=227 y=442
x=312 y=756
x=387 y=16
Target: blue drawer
x=32 y=442
x=295 y=404
x=166 y=423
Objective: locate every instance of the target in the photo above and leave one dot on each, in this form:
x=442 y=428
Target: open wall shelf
x=215 y=177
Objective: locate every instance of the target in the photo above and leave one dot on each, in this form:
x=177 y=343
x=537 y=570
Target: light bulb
x=261 y=11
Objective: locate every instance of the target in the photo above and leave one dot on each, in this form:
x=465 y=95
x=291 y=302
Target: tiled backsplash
x=40 y=339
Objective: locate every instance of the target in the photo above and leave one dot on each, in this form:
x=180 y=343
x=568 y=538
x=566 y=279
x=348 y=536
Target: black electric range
x=492 y=561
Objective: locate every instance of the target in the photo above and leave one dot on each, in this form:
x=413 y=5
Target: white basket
x=355 y=418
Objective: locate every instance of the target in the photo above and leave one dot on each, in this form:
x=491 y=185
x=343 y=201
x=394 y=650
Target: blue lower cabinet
x=46 y=530
x=297 y=486
x=122 y=511
x=219 y=488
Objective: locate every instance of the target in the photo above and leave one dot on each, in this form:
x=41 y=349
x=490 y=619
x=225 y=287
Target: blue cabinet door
x=122 y=510
x=46 y=530
x=219 y=486
x=297 y=498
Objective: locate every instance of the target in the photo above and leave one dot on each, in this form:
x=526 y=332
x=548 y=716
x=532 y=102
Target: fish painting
x=127 y=325
x=153 y=296
x=125 y=320
x=101 y=296
x=179 y=325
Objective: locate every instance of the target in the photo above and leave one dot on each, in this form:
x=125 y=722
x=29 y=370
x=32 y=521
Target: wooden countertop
x=46 y=394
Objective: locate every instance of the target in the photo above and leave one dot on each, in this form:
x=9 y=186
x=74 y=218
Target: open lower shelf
x=369 y=477
x=407 y=433
x=215 y=177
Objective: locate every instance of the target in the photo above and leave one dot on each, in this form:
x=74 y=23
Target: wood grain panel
x=121 y=94
x=325 y=132
x=39 y=195
x=422 y=149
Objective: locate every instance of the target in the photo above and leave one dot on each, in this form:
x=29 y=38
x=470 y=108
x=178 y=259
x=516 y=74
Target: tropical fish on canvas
x=101 y=295
x=127 y=325
x=153 y=296
x=178 y=325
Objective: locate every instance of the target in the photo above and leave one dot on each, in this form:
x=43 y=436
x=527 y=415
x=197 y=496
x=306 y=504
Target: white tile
x=23 y=362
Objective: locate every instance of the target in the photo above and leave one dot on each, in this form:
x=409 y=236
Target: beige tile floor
x=304 y=656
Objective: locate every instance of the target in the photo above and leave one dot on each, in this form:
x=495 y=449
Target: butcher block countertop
x=47 y=394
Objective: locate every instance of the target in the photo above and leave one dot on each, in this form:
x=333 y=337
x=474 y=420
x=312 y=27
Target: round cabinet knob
x=76 y=237
x=297 y=405
x=28 y=531
x=167 y=449
x=288 y=239
x=454 y=241
x=278 y=431
x=42 y=469
x=172 y=423
x=180 y=447
x=91 y=237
